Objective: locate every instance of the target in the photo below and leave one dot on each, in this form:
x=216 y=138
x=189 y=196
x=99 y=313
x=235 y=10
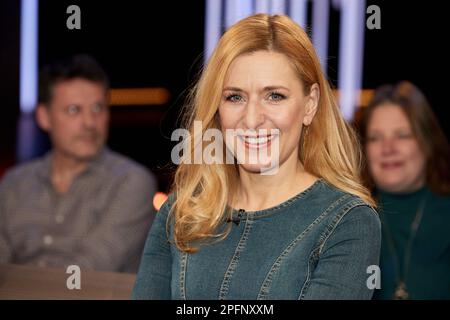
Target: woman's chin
x=258 y=168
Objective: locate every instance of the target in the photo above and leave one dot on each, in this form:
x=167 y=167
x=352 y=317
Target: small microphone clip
x=236 y=220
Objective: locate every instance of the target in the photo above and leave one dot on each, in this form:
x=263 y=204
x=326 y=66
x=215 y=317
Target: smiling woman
x=307 y=230
x=263 y=92
x=408 y=157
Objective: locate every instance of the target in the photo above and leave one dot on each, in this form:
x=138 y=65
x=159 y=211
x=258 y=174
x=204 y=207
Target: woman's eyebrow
x=232 y=89
x=271 y=88
x=268 y=88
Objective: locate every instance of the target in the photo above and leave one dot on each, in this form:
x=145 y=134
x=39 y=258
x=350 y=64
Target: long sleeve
x=118 y=238
x=153 y=280
x=341 y=270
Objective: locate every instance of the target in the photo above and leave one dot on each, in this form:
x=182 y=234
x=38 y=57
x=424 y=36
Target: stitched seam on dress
x=183 y=276
x=265 y=287
x=270 y=211
x=351 y=205
x=289 y=201
x=308 y=277
x=234 y=260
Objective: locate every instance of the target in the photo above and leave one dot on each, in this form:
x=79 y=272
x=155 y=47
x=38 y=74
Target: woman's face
x=264 y=102
x=396 y=162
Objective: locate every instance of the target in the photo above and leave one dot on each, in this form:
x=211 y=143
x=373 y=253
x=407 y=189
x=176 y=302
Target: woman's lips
x=257 y=142
x=391 y=165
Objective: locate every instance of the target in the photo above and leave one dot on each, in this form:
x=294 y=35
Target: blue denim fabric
x=316 y=245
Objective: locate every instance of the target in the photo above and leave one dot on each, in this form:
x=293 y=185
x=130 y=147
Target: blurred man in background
x=81 y=204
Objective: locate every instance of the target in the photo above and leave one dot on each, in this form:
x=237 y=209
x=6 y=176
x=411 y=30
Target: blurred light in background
x=351 y=45
x=213 y=28
x=262 y=6
x=278 y=7
x=351 y=51
x=236 y=10
x=139 y=96
x=26 y=143
x=299 y=12
x=158 y=200
x=364 y=96
x=28 y=55
x=321 y=16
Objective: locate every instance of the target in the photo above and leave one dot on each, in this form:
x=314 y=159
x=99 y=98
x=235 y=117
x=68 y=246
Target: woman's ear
x=43 y=117
x=312 y=104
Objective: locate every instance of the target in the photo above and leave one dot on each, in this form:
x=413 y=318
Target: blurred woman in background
x=408 y=161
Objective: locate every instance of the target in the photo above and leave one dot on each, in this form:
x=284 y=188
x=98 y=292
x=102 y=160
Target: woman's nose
x=254 y=115
x=388 y=146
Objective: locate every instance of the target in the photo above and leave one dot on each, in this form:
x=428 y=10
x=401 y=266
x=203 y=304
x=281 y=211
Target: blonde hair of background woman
x=330 y=151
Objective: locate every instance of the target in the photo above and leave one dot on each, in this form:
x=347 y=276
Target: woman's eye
x=73 y=109
x=373 y=138
x=404 y=136
x=234 y=98
x=275 y=96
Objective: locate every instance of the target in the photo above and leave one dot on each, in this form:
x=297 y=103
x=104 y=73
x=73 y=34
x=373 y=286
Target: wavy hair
x=330 y=150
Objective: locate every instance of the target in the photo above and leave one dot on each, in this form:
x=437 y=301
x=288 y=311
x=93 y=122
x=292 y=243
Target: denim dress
x=322 y=243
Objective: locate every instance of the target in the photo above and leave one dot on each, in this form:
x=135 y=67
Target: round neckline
x=280 y=206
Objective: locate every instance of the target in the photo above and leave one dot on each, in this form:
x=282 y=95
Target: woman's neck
x=404 y=194
x=257 y=192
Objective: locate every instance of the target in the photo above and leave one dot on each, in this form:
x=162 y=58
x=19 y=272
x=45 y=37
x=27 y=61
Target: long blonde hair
x=331 y=150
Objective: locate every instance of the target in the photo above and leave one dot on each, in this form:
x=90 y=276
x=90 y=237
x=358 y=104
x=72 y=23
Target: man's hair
x=78 y=66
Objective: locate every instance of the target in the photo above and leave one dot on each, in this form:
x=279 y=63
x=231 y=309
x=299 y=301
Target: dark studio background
x=160 y=44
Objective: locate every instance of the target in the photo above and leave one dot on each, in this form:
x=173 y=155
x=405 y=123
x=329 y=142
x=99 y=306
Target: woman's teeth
x=257 y=140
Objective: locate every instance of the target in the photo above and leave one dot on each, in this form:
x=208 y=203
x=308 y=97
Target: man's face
x=77 y=118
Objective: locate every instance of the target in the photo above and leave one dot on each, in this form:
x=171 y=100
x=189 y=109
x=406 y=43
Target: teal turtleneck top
x=426 y=273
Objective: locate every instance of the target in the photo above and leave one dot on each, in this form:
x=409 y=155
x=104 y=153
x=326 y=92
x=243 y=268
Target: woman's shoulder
x=167 y=205
x=339 y=201
x=164 y=212
x=443 y=198
x=329 y=207
x=351 y=215
x=439 y=204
